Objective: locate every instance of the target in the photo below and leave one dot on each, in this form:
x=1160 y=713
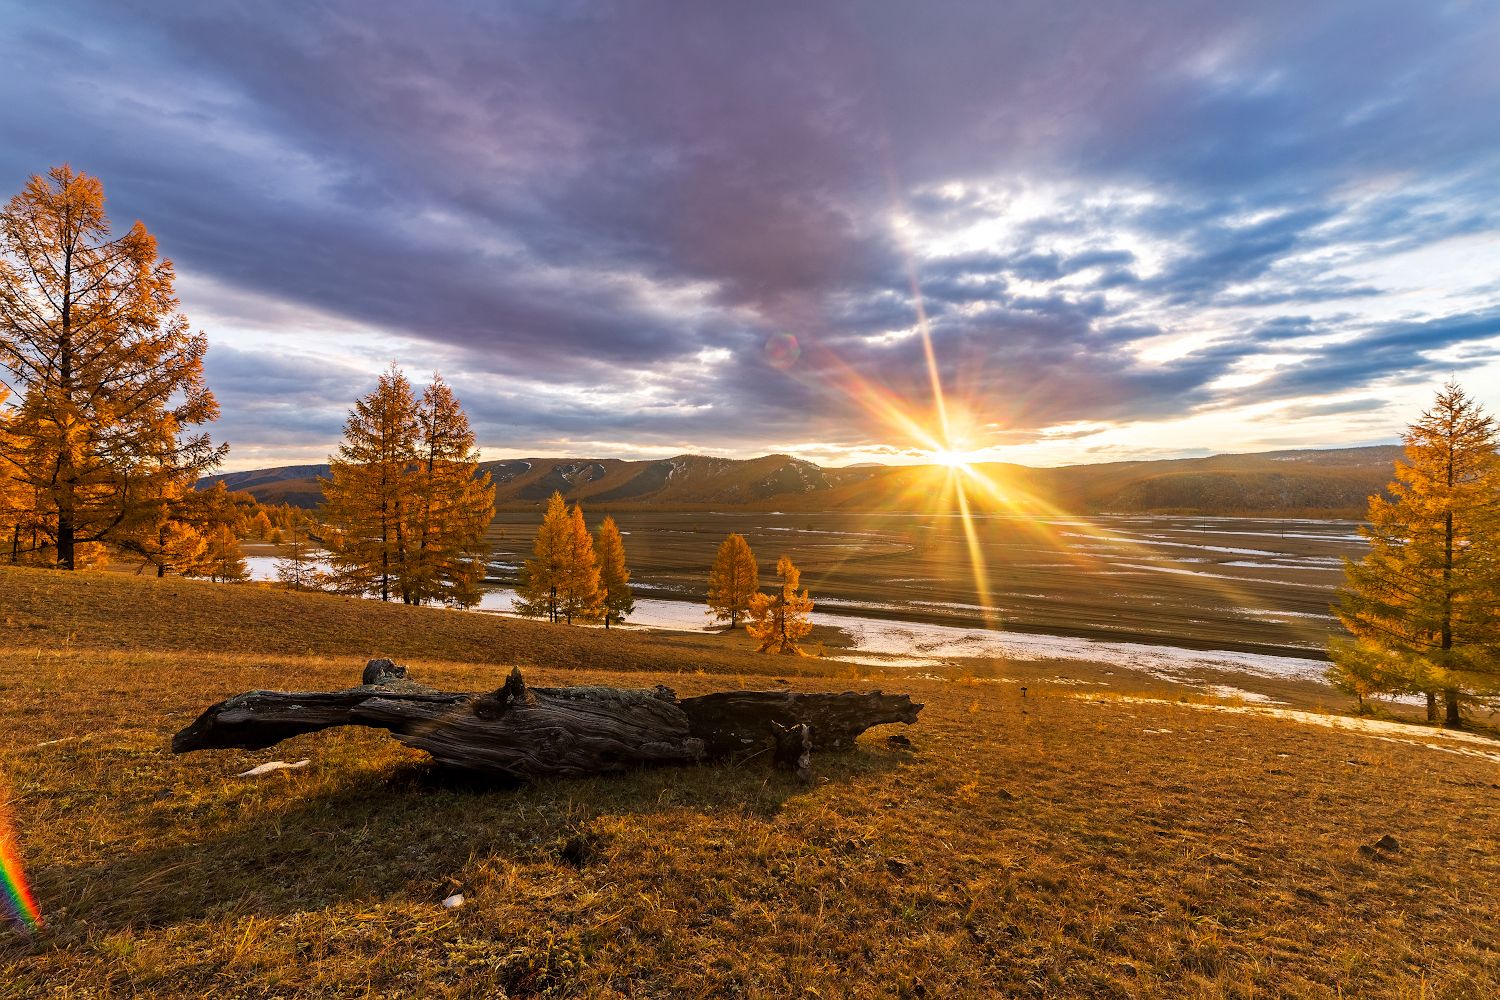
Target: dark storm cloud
x=595 y=214
x=268 y=399
x=1222 y=255
x=1394 y=353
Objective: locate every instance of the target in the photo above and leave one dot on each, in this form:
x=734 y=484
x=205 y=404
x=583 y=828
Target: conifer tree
x=732 y=581
x=178 y=546
x=369 y=493
x=580 y=591
x=25 y=529
x=223 y=561
x=20 y=530
x=406 y=506
x=781 y=620
x=1423 y=605
x=109 y=373
x=453 y=506
x=297 y=567
x=613 y=576
x=183 y=539
x=537 y=596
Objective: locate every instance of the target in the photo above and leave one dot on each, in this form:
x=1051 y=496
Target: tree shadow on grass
x=399 y=833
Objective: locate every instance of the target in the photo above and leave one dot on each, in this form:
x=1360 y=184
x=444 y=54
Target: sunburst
x=961 y=476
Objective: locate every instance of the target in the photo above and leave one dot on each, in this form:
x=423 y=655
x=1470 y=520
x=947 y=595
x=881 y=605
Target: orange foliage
x=110 y=375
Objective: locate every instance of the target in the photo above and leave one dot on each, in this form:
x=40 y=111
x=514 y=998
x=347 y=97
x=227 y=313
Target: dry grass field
x=1074 y=842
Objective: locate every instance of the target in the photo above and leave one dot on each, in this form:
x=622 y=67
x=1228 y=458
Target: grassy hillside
x=1074 y=842
x=1336 y=481
x=116 y=612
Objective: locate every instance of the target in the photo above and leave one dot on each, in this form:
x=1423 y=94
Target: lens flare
x=782 y=350
x=20 y=904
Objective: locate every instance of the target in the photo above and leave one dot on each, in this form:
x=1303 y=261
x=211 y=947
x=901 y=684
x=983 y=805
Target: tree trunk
x=1431 y=706
x=64 y=542
x=1452 y=719
x=524 y=733
x=65 y=508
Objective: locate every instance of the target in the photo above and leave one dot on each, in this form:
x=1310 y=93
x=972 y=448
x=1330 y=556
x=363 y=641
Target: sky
x=1100 y=230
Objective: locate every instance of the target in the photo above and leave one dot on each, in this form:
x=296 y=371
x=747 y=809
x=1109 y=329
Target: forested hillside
x=1335 y=482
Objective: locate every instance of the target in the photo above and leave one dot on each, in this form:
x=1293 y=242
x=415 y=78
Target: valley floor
x=1106 y=834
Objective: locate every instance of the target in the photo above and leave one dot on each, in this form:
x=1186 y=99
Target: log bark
x=525 y=733
x=793 y=750
x=736 y=722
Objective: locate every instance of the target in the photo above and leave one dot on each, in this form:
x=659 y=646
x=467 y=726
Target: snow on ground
x=1446 y=740
x=1262 y=613
x=940 y=642
x=1350 y=537
x=264 y=567
x=882 y=535
x=1152 y=540
x=918 y=644
x=1215 y=576
x=1254 y=697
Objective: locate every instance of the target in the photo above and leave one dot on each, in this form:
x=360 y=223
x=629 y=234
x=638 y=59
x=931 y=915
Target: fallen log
x=523 y=733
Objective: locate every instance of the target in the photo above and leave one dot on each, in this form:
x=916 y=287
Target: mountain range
x=1327 y=481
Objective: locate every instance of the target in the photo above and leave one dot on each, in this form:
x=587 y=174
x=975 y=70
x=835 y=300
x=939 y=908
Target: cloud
x=1304 y=411
x=594 y=217
x=1392 y=354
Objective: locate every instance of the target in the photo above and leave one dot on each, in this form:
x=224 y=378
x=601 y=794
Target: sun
x=950 y=459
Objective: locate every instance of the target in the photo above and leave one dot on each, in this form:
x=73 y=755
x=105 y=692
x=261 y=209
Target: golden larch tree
x=537 y=596
x=215 y=515
x=185 y=538
x=223 y=561
x=453 y=506
x=732 y=581
x=177 y=546
x=1423 y=605
x=21 y=530
x=368 y=495
x=781 y=620
x=614 y=577
x=109 y=375
x=580 y=590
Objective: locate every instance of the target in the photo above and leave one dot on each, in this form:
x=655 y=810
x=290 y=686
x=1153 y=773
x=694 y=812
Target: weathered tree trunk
x=525 y=733
x=1451 y=719
x=737 y=722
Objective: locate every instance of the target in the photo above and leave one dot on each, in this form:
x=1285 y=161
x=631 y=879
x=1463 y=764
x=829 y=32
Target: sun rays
x=953 y=434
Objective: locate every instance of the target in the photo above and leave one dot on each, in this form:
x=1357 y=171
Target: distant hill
x=293 y=484
x=1333 y=481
